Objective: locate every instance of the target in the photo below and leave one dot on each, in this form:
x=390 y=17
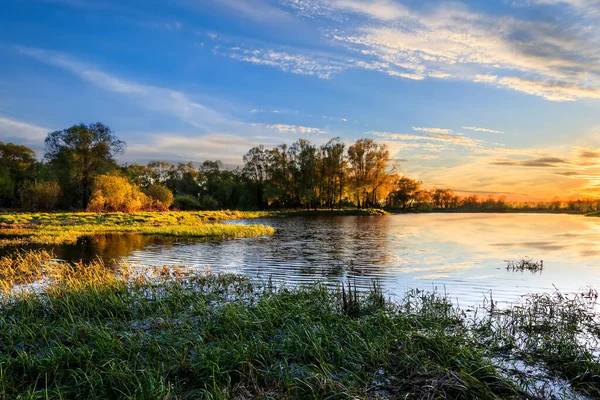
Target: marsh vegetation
x=73 y=330
x=61 y=228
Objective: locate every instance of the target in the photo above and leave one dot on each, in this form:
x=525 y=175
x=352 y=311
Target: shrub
x=161 y=194
x=207 y=202
x=186 y=202
x=42 y=195
x=113 y=193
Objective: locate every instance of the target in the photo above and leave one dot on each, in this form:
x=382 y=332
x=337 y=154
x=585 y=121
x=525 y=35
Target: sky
x=497 y=97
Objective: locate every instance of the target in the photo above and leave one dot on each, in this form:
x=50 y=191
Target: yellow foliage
x=113 y=193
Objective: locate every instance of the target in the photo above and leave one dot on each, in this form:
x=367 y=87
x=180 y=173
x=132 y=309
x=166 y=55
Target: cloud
x=434 y=130
x=154 y=98
x=586 y=153
x=553 y=58
x=321 y=67
x=445 y=138
x=300 y=130
x=542 y=162
x=21 y=131
x=472 y=128
x=225 y=147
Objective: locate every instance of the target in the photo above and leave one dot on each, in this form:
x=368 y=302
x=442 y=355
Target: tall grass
x=126 y=332
x=98 y=331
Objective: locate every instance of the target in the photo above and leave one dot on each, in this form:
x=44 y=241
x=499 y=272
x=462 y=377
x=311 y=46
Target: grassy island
x=62 y=228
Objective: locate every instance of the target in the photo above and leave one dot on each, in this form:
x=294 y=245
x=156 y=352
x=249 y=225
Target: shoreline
x=177 y=332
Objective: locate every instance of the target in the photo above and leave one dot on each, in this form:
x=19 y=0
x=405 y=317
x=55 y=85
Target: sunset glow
x=489 y=98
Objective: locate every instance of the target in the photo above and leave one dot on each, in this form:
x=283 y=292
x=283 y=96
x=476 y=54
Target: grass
x=62 y=228
x=336 y=212
x=68 y=227
x=94 y=331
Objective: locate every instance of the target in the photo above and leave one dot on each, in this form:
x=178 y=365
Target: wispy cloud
x=445 y=138
x=540 y=57
x=320 y=67
x=11 y=129
x=473 y=128
x=296 y=129
x=542 y=162
x=169 y=146
x=154 y=98
x=434 y=130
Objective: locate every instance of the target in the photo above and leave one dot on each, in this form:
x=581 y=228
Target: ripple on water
x=462 y=254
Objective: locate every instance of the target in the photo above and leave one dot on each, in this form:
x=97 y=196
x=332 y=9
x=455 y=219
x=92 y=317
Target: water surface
x=462 y=254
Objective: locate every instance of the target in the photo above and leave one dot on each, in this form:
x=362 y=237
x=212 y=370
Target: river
x=463 y=255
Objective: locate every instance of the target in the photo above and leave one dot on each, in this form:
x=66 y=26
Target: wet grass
x=554 y=334
x=63 y=228
x=97 y=331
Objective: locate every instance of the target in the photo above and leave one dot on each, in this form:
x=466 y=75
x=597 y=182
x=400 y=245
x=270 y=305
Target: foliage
x=79 y=154
x=113 y=193
x=297 y=176
x=42 y=195
x=17 y=165
x=186 y=202
x=161 y=194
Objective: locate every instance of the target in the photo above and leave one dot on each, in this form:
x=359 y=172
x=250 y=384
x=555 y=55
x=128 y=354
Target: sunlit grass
x=62 y=228
x=93 y=331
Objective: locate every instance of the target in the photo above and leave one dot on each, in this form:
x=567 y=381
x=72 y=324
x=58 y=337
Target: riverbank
x=65 y=228
x=73 y=330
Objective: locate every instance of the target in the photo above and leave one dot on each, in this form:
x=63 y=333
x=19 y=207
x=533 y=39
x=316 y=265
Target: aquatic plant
x=525 y=264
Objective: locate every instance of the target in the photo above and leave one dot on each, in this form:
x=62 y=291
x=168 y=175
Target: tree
x=304 y=171
x=17 y=165
x=113 y=193
x=81 y=153
x=369 y=170
x=405 y=193
x=256 y=167
x=42 y=195
x=333 y=168
x=162 y=195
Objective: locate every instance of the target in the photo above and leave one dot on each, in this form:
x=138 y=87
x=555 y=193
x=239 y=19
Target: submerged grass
x=61 y=228
x=93 y=331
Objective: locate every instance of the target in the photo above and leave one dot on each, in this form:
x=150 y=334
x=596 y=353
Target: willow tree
x=79 y=154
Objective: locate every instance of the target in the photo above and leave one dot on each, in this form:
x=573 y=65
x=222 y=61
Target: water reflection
x=461 y=253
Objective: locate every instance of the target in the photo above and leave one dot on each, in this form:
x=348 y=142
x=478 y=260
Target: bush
x=161 y=194
x=39 y=195
x=113 y=193
x=186 y=202
x=207 y=202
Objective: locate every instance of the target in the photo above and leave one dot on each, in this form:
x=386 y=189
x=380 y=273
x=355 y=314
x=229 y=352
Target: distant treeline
x=79 y=171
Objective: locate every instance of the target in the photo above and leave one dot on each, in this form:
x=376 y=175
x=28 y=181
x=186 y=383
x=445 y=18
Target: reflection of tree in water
x=107 y=247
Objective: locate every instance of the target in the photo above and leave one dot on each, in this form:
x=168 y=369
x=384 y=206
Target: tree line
x=79 y=171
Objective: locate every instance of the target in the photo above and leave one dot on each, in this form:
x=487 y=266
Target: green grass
x=61 y=228
x=93 y=331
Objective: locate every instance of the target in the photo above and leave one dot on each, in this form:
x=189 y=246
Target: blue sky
x=497 y=97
